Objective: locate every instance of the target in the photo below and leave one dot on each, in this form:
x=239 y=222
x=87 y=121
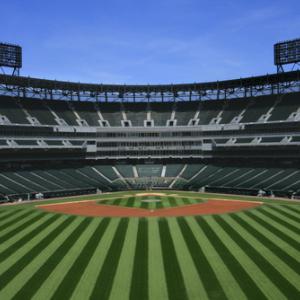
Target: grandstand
x=234 y=136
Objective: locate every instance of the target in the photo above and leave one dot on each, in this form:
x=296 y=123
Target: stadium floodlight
x=11 y=57
x=287 y=52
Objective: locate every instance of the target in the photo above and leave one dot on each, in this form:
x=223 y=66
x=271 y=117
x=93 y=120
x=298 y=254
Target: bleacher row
x=39 y=143
x=65 y=143
x=176 y=176
x=15 y=110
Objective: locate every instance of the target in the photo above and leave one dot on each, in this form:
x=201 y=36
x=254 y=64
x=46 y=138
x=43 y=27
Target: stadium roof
x=269 y=79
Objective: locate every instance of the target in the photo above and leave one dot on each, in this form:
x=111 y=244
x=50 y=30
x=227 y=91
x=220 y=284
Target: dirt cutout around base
x=91 y=208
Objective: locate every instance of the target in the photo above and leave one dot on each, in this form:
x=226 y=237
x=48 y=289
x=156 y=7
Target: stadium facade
x=234 y=136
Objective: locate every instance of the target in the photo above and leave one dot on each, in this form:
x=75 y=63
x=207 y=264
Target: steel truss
x=26 y=87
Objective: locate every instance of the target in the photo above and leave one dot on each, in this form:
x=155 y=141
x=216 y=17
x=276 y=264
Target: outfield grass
x=252 y=254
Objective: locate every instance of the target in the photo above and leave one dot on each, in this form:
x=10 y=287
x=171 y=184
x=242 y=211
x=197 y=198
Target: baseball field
x=162 y=245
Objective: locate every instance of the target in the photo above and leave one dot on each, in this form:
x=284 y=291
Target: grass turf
x=251 y=254
x=142 y=201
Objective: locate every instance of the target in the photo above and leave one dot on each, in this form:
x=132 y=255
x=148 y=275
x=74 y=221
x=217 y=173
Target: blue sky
x=140 y=42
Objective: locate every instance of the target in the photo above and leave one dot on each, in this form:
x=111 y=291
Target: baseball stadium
x=186 y=191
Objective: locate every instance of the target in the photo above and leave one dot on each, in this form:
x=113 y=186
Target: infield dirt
x=94 y=209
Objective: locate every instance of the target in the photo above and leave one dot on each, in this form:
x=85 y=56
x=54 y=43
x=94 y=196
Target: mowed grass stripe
x=232 y=258
x=293 y=208
x=173 y=275
x=179 y=201
x=130 y=202
x=14 y=230
x=279 y=219
x=187 y=201
x=27 y=238
x=172 y=201
x=70 y=280
x=9 y=213
x=32 y=285
x=272 y=234
x=50 y=285
x=85 y=286
x=196 y=200
x=152 y=205
x=139 y=280
x=285 y=229
x=117 y=201
x=157 y=280
x=165 y=202
x=159 y=205
x=125 y=201
x=12 y=218
x=56 y=277
x=106 y=276
x=39 y=247
x=282 y=211
x=27 y=214
x=276 y=228
x=19 y=251
x=223 y=274
x=207 y=275
x=192 y=282
x=287 y=289
x=265 y=240
x=143 y=204
x=121 y=284
x=18 y=282
x=290 y=274
x=3 y=211
x=137 y=201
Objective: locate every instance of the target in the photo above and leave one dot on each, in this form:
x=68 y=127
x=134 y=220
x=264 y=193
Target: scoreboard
x=10 y=56
x=287 y=52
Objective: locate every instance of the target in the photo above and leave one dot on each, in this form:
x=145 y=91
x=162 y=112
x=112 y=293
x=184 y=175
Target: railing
x=251 y=192
x=47 y=194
